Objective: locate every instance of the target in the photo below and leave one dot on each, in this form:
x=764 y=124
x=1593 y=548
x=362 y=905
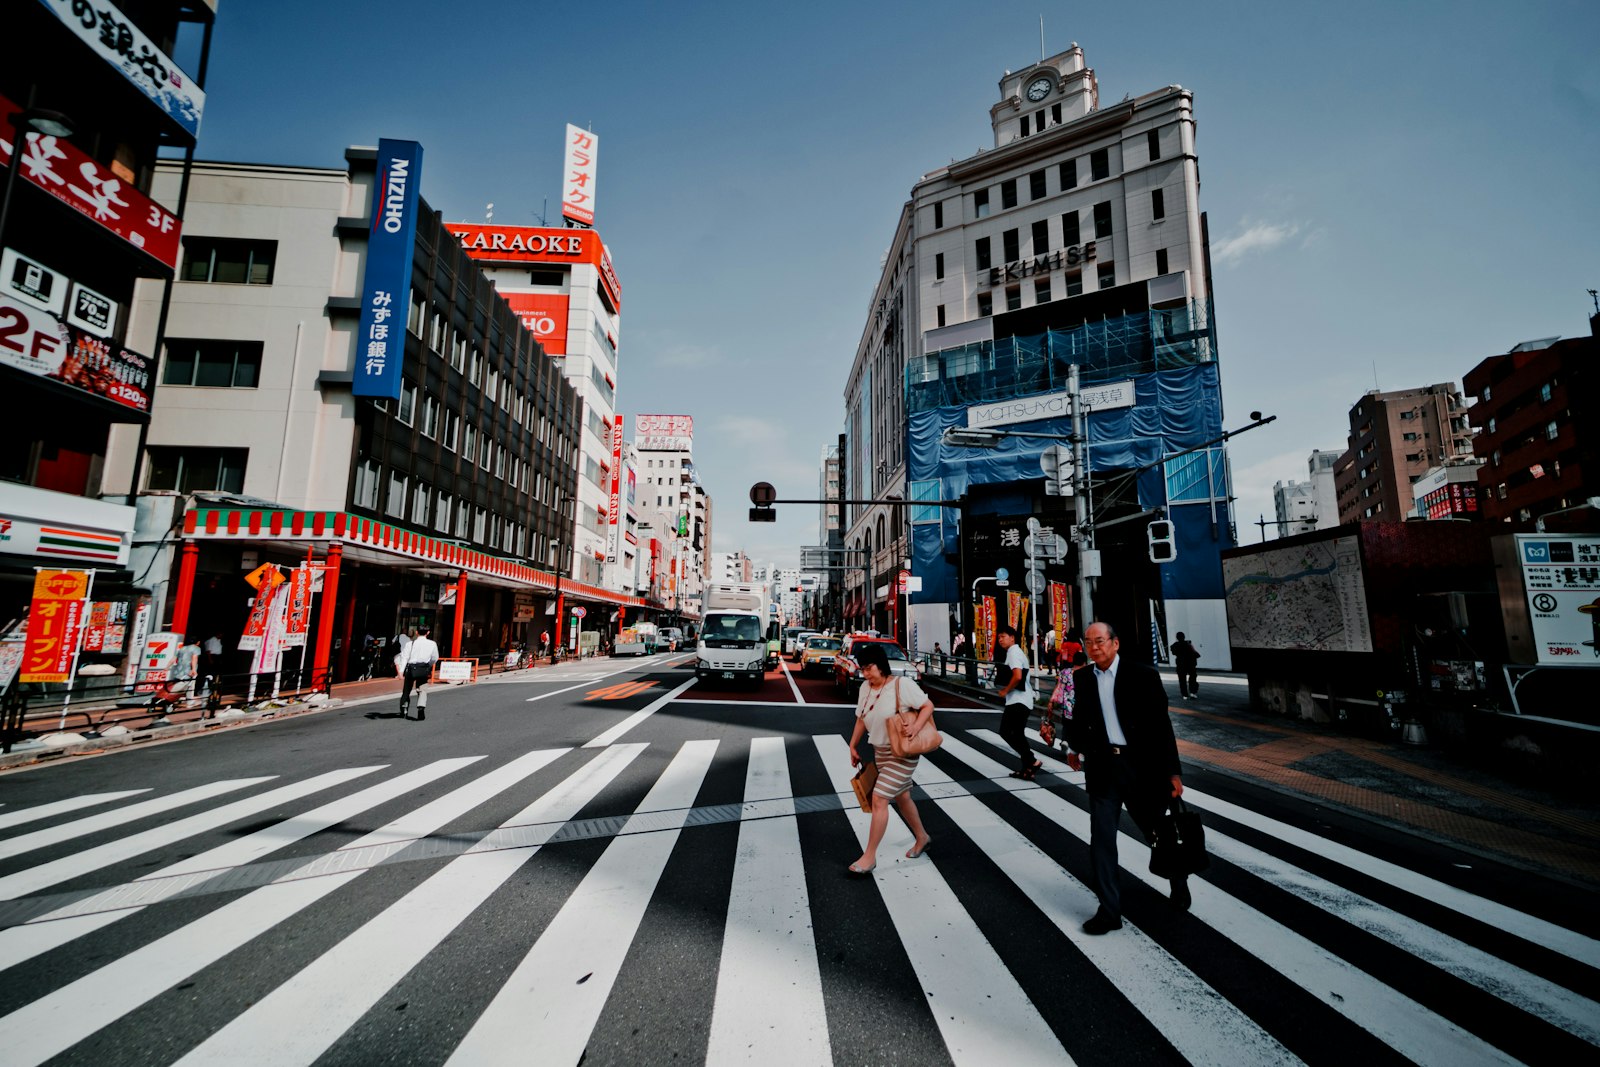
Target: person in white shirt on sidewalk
x=420 y=657
x=1017 y=692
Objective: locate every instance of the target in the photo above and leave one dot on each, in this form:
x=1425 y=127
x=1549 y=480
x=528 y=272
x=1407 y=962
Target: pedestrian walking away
x=1185 y=655
x=877 y=705
x=1017 y=691
x=421 y=654
x=1121 y=729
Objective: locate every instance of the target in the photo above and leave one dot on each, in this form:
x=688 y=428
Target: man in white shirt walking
x=1017 y=692
x=420 y=657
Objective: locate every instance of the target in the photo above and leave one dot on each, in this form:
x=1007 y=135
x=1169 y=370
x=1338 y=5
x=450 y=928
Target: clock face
x=1039 y=89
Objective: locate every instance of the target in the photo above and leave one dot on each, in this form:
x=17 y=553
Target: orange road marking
x=620 y=691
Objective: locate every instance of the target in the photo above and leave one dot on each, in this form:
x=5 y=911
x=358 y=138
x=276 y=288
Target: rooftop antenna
x=541 y=213
x=488 y=212
x=1041 y=38
x=1594 y=294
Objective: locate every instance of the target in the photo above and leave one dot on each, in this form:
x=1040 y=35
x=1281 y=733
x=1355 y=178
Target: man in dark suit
x=1121 y=729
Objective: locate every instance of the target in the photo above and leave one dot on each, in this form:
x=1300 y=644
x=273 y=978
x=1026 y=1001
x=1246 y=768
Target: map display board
x=1307 y=597
x=1561 y=573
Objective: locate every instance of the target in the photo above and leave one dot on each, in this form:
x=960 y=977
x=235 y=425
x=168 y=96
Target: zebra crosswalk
x=489 y=909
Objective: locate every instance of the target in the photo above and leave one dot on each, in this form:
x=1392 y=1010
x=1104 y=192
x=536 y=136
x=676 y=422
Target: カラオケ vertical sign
x=386 y=285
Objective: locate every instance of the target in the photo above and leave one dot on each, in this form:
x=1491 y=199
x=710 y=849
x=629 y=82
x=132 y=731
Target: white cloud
x=1253 y=237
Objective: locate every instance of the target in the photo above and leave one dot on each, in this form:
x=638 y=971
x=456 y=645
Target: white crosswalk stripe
x=773 y=985
x=61 y=807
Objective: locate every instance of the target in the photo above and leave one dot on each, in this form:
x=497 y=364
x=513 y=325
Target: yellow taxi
x=818 y=654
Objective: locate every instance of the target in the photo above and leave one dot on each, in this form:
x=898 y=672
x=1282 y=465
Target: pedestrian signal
x=1162 y=547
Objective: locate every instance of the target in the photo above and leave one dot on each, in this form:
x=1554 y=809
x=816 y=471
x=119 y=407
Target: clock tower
x=1037 y=98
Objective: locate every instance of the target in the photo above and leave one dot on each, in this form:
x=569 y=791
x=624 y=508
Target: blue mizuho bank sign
x=386 y=286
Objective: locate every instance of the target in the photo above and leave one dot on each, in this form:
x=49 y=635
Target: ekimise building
x=451 y=505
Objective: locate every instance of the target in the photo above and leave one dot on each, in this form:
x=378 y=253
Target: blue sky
x=1395 y=191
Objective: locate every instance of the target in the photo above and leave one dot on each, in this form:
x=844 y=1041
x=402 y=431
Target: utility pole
x=1083 y=528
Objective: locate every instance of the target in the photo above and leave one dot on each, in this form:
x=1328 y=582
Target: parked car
x=847 y=674
x=669 y=639
x=819 y=654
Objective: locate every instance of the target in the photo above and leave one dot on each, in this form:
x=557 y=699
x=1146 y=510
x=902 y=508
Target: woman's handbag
x=1179 y=848
x=1063 y=696
x=923 y=741
x=866 y=778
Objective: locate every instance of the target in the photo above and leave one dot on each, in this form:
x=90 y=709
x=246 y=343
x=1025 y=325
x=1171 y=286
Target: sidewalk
x=1419 y=789
x=123 y=727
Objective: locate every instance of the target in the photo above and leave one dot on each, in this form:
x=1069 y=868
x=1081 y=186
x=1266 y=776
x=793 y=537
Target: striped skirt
x=894 y=772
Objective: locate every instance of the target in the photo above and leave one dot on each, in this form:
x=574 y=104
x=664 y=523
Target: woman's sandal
x=860 y=872
x=915 y=852
x=1027 y=775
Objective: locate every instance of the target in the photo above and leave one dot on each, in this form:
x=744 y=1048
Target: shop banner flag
x=55 y=621
x=299 y=607
x=255 y=627
x=1059 y=613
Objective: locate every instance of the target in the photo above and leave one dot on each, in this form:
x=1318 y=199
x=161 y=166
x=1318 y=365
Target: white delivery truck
x=733 y=633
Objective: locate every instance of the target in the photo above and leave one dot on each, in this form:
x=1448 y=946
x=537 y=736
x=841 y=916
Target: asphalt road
x=612 y=864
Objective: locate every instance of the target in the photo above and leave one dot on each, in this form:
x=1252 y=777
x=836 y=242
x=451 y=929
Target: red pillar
x=561 y=603
x=320 y=678
x=185 y=595
x=461 y=609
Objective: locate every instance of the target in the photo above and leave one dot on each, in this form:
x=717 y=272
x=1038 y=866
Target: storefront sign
x=35 y=341
x=1075 y=256
x=458 y=670
x=663 y=433
x=83 y=184
x=578 y=174
x=545 y=316
x=386 y=286
x=1050 y=406
x=120 y=43
x=614 y=511
x=92 y=311
x=1562 y=579
x=29 y=280
x=608 y=274
x=55 y=622
x=156 y=663
x=136 y=639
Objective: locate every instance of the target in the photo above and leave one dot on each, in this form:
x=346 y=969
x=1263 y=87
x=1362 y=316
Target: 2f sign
x=32 y=340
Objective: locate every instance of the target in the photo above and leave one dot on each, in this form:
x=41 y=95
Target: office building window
x=408 y=403
x=1041 y=237
x=1041 y=290
x=419 y=506
x=223 y=364
x=985 y=305
x=1010 y=243
x=941 y=314
x=469 y=444
x=1008 y=193
x=981 y=251
x=1069 y=175
x=1024 y=126
x=1099 y=164
x=938 y=265
x=1551 y=430
x=1038 y=120
x=366 y=488
x=980 y=204
x=1161 y=261
x=1074 y=283
x=190 y=470
x=452 y=428
x=1153 y=138
x=1107 y=275
x=1544 y=393
x=442 y=513
x=1158 y=204
x=1055 y=114
x=938 y=215
x=1102 y=219
x=1013 y=297
x=1069 y=230
x=1036 y=185
x=224 y=260
x=430 y=417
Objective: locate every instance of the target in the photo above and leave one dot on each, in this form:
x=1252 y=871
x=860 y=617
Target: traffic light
x=1162 y=547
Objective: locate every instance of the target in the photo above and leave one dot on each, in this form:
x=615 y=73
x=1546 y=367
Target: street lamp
x=38 y=120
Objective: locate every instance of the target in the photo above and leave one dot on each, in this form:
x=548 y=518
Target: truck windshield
x=731 y=628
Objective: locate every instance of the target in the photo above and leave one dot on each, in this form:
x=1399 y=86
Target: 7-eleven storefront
x=381 y=579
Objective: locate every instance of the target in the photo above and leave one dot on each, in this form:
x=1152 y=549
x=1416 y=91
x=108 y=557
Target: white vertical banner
x=578 y=175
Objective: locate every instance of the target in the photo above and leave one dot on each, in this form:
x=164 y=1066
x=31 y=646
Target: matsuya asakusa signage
x=386 y=286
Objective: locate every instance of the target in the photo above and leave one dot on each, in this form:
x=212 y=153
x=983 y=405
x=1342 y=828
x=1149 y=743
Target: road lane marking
x=300 y=1019
x=93 y=859
x=757 y=703
x=768 y=944
x=789 y=677
x=620 y=691
x=982 y=1013
x=554 y=997
x=54 y=835
x=611 y=735
x=1530 y=928
x=60 y=807
x=1202 y=1025
x=59 y=1020
x=1398 y=1021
